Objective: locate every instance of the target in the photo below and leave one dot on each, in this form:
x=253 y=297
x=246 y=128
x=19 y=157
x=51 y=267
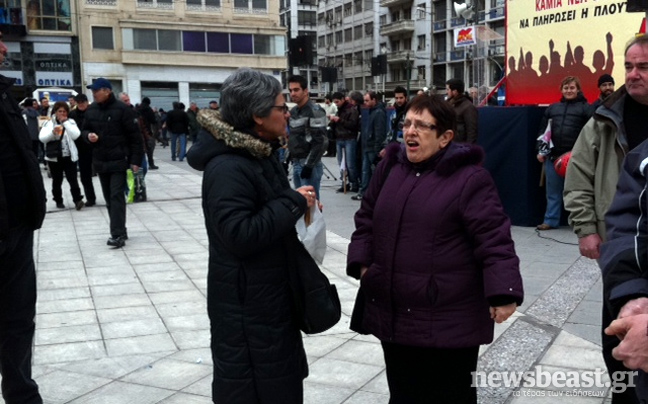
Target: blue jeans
x=349 y=147
x=314 y=180
x=368 y=158
x=555 y=185
x=183 y=145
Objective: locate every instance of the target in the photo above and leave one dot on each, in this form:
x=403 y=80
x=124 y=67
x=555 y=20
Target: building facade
x=300 y=19
x=171 y=50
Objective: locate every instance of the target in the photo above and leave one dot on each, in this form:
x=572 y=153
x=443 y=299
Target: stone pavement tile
x=181 y=259
x=540 y=269
x=341 y=327
x=125 y=275
x=363 y=397
x=359 y=352
x=124 y=393
x=60 y=335
x=106 y=258
x=202 y=387
x=140 y=345
x=596 y=293
x=347 y=294
x=588 y=332
x=566 y=338
x=176 y=296
x=59 y=253
x=62 y=387
x=123 y=314
x=321 y=345
x=183 y=398
x=147 y=258
x=51 y=320
x=192 y=339
x=573 y=357
x=378 y=384
x=536 y=285
x=112 y=368
x=156 y=267
x=117 y=290
x=172 y=235
x=133 y=328
x=537 y=396
x=182 y=247
x=198 y=355
x=529 y=299
x=178 y=309
x=587 y=312
x=62 y=283
x=132 y=300
x=73 y=272
x=54 y=265
x=169 y=374
x=170 y=285
x=71 y=351
x=365 y=338
x=188 y=322
x=58 y=306
x=63 y=294
x=342 y=374
x=315 y=393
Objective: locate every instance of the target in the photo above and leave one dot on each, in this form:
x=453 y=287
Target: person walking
x=373 y=136
x=177 y=122
x=85 y=151
x=250 y=215
x=59 y=135
x=346 y=137
x=22 y=210
x=111 y=128
x=149 y=125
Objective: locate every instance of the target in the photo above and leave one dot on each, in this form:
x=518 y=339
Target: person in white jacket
x=58 y=134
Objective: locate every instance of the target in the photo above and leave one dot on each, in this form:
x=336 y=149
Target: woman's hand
x=540 y=158
x=502 y=313
x=362 y=271
x=308 y=192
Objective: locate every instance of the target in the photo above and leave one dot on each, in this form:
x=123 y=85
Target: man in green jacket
x=617 y=126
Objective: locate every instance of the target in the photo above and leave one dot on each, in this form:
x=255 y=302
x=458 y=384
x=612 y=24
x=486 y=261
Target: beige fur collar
x=211 y=122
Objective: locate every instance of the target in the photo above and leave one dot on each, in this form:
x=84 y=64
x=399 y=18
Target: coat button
x=510 y=289
x=408 y=310
x=418 y=174
x=373 y=300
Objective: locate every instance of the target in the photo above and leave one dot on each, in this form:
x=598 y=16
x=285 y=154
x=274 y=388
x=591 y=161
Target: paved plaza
x=129 y=325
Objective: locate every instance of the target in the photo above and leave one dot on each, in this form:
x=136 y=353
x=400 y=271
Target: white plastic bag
x=313 y=235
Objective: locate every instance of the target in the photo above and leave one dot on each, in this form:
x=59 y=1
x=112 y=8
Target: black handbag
x=317 y=305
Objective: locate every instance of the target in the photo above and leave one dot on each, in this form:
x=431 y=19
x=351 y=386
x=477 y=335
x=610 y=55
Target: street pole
x=407 y=72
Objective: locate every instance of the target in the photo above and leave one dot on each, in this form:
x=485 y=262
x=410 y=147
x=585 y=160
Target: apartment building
x=43 y=48
x=417 y=37
x=171 y=50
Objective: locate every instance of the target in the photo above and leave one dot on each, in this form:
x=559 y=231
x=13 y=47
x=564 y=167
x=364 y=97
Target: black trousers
x=418 y=375
x=85 y=172
x=17 y=311
x=150 y=148
x=112 y=185
x=66 y=166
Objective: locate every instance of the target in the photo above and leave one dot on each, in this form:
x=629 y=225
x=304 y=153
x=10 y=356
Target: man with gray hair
x=307 y=140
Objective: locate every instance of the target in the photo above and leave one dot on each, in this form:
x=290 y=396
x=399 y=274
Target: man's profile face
x=125 y=99
x=297 y=94
x=82 y=106
x=606 y=89
x=636 y=73
x=45 y=103
x=369 y=102
x=449 y=92
x=400 y=99
x=213 y=105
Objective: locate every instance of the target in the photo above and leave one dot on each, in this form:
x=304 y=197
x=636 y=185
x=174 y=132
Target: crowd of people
x=432 y=245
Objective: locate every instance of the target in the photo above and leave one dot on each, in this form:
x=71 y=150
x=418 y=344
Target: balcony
x=496 y=13
x=482 y=16
x=11 y=21
x=496 y=50
x=457 y=55
x=457 y=22
x=397 y=27
x=440 y=57
x=440 y=25
x=392 y=3
x=399 y=56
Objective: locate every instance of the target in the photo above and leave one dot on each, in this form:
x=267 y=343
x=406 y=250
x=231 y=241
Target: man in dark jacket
x=177 y=122
x=373 y=138
x=31 y=118
x=307 y=139
x=149 y=122
x=85 y=150
x=194 y=126
x=606 y=87
x=22 y=210
x=346 y=138
x=466 y=112
x=112 y=129
x=398 y=115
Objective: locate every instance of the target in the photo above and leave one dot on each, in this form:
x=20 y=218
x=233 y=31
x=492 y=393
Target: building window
x=251 y=6
x=421 y=11
x=161 y=4
x=421 y=72
x=306 y=18
x=348 y=10
x=421 y=43
x=348 y=35
x=102 y=38
x=338 y=37
x=51 y=15
x=357 y=5
x=242 y=43
x=321 y=41
x=357 y=32
x=204 y=5
x=218 y=42
x=383 y=19
x=369 y=30
x=169 y=40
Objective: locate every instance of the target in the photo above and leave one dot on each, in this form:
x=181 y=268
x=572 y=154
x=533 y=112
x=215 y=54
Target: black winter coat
x=249 y=210
x=13 y=125
x=567 y=120
x=120 y=141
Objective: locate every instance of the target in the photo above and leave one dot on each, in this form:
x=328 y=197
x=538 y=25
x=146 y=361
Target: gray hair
x=245 y=94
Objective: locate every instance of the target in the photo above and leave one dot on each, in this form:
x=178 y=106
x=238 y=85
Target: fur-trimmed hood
x=445 y=162
x=218 y=137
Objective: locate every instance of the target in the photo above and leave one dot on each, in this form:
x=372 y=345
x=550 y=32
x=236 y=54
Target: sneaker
x=90 y=203
x=357 y=197
x=116 y=242
x=544 y=226
x=60 y=205
x=340 y=190
x=79 y=205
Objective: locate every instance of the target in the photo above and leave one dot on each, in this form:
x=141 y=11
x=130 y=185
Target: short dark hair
x=357 y=97
x=338 y=96
x=44 y=98
x=571 y=79
x=372 y=94
x=300 y=80
x=443 y=112
x=400 y=90
x=61 y=104
x=328 y=97
x=29 y=102
x=456 y=84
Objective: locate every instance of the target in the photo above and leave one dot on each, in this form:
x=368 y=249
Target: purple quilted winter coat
x=439 y=250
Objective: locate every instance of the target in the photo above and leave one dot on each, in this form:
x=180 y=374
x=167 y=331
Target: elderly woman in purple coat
x=437 y=266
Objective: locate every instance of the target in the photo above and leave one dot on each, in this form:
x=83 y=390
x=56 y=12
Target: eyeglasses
x=284 y=108
x=418 y=125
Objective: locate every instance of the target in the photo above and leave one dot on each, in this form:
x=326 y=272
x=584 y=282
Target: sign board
x=547 y=40
x=465 y=36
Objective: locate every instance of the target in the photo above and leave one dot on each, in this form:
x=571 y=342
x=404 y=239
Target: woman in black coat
x=250 y=213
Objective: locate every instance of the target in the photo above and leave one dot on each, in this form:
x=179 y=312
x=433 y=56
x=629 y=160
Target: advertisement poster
x=547 y=40
x=465 y=36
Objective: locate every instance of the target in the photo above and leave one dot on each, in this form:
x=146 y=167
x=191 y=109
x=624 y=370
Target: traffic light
x=301 y=51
